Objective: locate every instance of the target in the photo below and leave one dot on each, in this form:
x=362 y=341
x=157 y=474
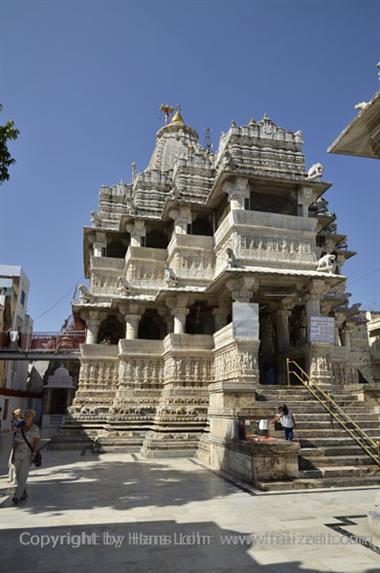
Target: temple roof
x=172 y=141
x=361 y=137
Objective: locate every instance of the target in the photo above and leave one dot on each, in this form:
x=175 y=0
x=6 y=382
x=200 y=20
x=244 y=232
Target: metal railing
x=41 y=341
x=366 y=443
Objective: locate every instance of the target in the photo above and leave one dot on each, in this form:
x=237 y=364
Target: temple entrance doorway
x=268 y=363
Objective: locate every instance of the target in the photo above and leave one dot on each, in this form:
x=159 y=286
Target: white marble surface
x=118 y=495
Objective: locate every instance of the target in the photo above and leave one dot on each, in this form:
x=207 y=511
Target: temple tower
x=208 y=267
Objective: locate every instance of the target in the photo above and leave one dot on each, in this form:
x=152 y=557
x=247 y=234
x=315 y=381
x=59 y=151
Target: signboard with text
x=322 y=329
x=245 y=317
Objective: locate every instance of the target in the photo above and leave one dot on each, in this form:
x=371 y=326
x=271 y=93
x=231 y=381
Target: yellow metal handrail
x=339 y=415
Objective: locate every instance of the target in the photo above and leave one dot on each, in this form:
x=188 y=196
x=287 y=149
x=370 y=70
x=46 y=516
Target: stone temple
x=206 y=273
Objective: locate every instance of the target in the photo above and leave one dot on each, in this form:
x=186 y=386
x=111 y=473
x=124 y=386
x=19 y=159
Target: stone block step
x=305 y=394
x=342 y=471
x=336 y=451
x=310 y=406
x=332 y=432
x=304 y=483
x=307 y=462
x=326 y=424
x=334 y=441
x=321 y=416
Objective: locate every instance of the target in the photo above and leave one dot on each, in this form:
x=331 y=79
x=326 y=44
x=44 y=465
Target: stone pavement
x=112 y=512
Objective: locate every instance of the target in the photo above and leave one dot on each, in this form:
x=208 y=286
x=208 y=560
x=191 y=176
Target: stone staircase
x=329 y=457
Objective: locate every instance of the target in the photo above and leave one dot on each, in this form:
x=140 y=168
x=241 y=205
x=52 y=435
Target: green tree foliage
x=8 y=132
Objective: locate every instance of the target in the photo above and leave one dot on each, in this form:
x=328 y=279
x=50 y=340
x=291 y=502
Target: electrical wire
x=365 y=276
x=55 y=304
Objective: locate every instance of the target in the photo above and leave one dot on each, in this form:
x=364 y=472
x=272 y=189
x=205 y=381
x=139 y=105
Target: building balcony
x=145 y=267
x=105 y=273
x=191 y=257
x=267 y=239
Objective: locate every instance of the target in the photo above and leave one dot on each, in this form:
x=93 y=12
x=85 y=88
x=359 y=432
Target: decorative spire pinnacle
x=177 y=117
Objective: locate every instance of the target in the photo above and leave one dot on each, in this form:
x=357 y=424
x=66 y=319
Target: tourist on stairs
x=287 y=421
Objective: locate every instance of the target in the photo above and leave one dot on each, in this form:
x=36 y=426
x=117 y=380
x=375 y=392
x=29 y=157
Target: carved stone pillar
x=313 y=301
x=92 y=327
x=180 y=313
x=131 y=325
x=237 y=191
x=182 y=218
x=242 y=289
x=137 y=232
x=132 y=317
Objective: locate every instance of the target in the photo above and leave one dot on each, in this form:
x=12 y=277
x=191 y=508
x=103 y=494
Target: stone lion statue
x=315 y=171
x=85 y=295
x=231 y=259
x=326 y=263
x=122 y=286
x=170 y=276
x=95 y=219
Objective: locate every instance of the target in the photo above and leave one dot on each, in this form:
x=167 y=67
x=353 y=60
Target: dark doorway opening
x=152 y=326
x=111 y=330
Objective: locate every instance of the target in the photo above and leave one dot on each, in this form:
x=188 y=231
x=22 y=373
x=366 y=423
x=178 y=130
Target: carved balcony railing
x=191 y=257
x=145 y=267
x=105 y=273
x=267 y=239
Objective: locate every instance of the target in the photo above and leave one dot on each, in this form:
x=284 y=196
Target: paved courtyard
x=113 y=512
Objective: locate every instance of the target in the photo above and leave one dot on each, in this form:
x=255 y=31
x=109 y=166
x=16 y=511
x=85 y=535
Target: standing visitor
x=26 y=446
x=287 y=421
x=16 y=423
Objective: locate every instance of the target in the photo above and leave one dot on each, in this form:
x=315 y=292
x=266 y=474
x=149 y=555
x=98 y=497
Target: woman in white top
x=287 y=421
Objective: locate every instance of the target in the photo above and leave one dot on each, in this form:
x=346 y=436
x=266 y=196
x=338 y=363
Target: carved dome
x=172 y=141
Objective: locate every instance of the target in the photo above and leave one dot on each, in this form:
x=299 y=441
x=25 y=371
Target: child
x=264 y=427
x=287 y=421
x=17 y=422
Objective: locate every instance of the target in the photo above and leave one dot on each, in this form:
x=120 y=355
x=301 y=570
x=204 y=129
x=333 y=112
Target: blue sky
x=84 y=80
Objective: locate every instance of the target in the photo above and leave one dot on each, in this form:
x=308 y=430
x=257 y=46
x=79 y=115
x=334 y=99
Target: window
x=22 y=297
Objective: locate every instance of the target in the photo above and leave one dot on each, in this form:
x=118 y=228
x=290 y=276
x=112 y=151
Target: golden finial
x=166 y=110
x=177 y=117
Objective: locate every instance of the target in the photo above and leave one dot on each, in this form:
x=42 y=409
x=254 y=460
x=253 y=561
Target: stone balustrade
x=191 y=257
x=105 y=273
x=266 y=239
x=145 y=267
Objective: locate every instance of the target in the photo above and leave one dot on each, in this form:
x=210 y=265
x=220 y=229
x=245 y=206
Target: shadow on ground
x=115 y=484
x=145 y=547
